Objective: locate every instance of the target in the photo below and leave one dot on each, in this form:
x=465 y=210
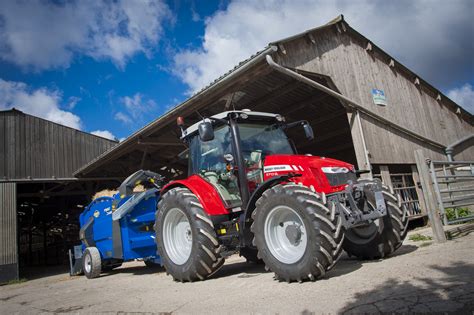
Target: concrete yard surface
x=427 y=278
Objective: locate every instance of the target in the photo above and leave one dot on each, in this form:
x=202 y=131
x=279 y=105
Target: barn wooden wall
x=37 y=148
x=356 y=71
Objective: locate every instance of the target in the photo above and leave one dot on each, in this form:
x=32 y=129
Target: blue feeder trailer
x=119 y=228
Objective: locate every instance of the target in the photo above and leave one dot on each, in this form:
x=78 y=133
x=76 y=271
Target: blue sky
x=111 y=67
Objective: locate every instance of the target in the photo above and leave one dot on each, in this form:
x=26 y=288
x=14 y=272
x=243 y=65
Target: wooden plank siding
x=355 y=72
x=37 y=148
x=8 y=233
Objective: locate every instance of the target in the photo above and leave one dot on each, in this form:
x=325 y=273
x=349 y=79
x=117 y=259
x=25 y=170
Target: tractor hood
x=329 y=175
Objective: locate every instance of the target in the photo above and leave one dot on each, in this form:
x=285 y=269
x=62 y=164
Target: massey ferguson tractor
x=249 y=192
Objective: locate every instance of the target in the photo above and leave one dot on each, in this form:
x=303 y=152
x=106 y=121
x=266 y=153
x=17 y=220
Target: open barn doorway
x=277 y=93
x=48 y=223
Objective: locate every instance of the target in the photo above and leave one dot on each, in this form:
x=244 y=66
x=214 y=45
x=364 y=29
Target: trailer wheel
x=185 y=237
x=91 y=263
x=381 y=237
x=297 y=236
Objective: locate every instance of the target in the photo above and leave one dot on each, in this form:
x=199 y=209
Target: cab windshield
x=214 y=160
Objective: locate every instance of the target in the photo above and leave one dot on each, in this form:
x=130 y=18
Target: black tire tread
x=205 y=257
x=96 y=262
x=392 y=236
x=327 y=248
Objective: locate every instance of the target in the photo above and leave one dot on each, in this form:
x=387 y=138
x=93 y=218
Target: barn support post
x=360 y=148
x=428 y=191
x=385 y=174
x=419 y=191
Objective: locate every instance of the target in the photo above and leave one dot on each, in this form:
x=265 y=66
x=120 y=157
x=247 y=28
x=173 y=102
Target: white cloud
x=104 y=134
x=41 y=102
x=123 y=118
x=433 y=38
x=136 y=108
x=464 y=96
x=42 y=34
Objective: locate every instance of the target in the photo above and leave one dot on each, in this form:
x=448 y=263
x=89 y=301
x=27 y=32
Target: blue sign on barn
x=379 y=97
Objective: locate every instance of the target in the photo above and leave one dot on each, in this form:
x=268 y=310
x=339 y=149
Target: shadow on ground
x=37 y=272
x=453 y=292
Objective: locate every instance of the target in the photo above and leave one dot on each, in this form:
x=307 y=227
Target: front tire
x=297 y=236
x=91 y=263
x=185 y=237
x=381 y=237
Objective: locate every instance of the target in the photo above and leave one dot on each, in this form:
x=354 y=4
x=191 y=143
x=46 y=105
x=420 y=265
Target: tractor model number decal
x=282 y=168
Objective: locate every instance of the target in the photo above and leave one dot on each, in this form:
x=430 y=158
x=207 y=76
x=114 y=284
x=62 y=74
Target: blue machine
x=120 y=228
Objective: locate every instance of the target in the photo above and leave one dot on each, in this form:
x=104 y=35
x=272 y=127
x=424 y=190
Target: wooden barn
x=40 y=200
x=365 y=107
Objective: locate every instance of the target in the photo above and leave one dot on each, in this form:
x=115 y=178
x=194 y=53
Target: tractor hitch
x=356 y=203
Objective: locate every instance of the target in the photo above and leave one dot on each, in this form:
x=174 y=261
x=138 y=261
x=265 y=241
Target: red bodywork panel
x=308 y=166
x=205 y=192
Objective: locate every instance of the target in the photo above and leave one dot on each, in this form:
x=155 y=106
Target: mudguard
x=204 y=191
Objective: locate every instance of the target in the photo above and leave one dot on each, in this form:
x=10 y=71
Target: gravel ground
x=419 y=277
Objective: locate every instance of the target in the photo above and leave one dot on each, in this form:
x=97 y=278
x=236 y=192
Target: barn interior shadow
x=453 y=293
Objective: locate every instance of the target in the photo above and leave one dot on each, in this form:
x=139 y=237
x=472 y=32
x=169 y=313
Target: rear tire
x=91 y=263
x=185 y=237
x=297 y=236
x=381 y=237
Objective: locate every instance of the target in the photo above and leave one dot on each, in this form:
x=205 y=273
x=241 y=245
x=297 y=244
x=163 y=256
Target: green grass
x=451 y=213
x=21 y=280
x=419 y=238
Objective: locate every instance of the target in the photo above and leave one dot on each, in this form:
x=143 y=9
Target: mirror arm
x=296 y=123
x=225 y=122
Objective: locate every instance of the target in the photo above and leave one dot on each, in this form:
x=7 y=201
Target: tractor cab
x=224 y=144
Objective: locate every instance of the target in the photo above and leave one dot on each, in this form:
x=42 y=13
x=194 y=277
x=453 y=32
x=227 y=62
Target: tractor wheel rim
x=177 y=236
x=88 y=263
x=285 y=234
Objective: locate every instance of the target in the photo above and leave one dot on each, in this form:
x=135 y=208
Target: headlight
x=335 y=170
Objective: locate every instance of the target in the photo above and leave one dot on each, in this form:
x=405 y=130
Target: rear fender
x=204 y=191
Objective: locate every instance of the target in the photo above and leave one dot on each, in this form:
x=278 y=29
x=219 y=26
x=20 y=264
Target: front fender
x=204 y=191
x=269 y=183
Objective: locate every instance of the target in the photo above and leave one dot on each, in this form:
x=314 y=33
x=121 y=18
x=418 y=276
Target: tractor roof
x=193 y=128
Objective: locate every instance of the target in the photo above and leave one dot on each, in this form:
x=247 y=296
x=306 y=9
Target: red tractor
x=249 y=192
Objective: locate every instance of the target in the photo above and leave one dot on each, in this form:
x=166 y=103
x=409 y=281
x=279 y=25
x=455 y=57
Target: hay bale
x=104 y=193
x=139 y=188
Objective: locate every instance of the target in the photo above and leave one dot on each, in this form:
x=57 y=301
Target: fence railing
x=453 y=184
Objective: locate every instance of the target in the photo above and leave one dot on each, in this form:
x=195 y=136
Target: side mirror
x=308 y=131
x=206 y=131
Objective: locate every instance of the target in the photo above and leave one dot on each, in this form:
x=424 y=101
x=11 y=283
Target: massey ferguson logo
x=282 y=168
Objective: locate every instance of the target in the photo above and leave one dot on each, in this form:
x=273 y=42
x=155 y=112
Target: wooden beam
x=385 y=174
x=272 y=95
x=161 y=144
x=419 y=191
x=360 y=148
x=428 y=191
x=305 y=102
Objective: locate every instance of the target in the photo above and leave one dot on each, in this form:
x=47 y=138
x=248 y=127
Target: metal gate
x=453 y=184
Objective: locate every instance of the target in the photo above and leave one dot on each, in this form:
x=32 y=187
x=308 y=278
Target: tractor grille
x=338 y=179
